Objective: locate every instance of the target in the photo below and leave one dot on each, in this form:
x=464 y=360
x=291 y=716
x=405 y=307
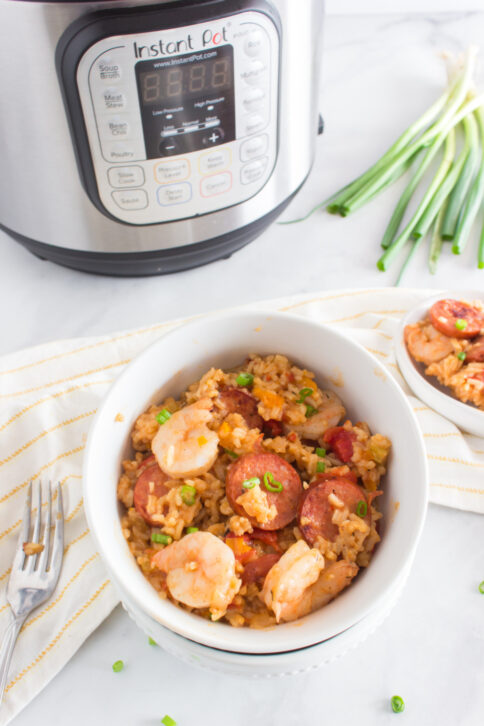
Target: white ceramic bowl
x=369 y=393
x=464 y=415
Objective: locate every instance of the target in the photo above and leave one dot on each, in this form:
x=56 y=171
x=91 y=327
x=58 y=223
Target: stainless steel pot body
x=42 y=195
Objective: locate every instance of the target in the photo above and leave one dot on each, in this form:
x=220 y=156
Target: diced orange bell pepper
x=241 y=547
x=267 y=397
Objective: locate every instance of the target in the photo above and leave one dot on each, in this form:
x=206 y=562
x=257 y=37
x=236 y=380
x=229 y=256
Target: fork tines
x=40 y=561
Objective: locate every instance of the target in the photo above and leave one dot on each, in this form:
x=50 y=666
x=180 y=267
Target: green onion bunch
x=451 y=134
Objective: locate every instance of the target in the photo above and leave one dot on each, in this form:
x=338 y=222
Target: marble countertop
x=380 y=72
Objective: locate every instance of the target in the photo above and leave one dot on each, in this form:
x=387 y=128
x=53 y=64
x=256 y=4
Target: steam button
x=254 y=147
x=254 y=123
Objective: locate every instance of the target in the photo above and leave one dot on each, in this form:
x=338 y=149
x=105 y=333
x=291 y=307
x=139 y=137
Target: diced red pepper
x=268 y=538
x=479 y=376
x=340 y=441
x=241 y=546
x=273 y=428
x=292 y=436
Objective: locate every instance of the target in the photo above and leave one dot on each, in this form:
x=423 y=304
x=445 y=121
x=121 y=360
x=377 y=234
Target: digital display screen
x=170 y=84
x=187 y=102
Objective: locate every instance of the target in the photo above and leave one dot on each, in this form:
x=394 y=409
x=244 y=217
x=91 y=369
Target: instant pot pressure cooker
x=149 y=137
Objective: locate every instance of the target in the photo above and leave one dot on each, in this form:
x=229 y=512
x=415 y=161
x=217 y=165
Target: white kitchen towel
x=48 y=397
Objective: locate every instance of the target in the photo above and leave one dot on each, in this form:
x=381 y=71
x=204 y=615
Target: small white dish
x=368 y=392
x=464 y=415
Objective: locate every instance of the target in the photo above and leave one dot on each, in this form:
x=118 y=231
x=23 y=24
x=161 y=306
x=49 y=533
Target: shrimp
x=200 y=572
x=329 y=414
x=329 y=582
x=426 y=344
x=184 y=446
x=287 y=581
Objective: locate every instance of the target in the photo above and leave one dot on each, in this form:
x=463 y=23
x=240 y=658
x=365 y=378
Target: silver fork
x=33 y=578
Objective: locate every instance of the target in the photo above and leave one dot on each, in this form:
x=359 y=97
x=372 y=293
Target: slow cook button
x=126 y=176
x=131 y=199
x=115 y=127
x=254 y=148
x=113 y=99
x=254 y=171
x=172 y=171
x=119 y=152
x=214 y=161
x=108 y=69
x=254 y=73
x=174 y=194
x=216 y=184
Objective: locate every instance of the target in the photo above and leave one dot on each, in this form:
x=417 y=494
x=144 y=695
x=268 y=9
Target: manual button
x=131 y=199
x=126 y=176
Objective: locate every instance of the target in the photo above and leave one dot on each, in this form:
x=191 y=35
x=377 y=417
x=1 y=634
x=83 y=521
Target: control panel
x=182 y=122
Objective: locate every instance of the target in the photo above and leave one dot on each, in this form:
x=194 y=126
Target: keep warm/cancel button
x=216 y=184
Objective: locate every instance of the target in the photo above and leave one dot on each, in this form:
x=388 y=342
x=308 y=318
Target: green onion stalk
x=474 y=199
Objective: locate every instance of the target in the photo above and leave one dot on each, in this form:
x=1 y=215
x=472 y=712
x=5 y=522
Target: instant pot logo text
x=209 y=39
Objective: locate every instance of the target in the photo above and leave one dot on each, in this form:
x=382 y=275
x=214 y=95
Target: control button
x=114 y=99
x=126 y=176
x=108 y=69
x=131 y=199
x=254 y=123
x=254 y=43
x=115 y=127
x=254 y=171
x=119 y=152
x=174 y=194
x=216 y=184
x=254 y=99
x=213 y=161
x=254 y=73
x=169 y=147
x=171 y=171
x=214 y=136
x=254 y=148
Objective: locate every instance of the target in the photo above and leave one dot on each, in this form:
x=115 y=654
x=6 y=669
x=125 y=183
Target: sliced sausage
x=256 y=465
x=335 y=473
x=316 y=512
x=475 y=354
x=256 y=570
x=234 y=400
x=341 y=442
x=444 y=315
x=268 y=538
x=141 y=492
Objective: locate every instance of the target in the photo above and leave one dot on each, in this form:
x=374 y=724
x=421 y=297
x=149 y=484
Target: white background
x=380 y=72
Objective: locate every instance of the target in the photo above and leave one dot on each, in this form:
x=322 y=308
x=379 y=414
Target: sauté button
x=126 y=176
x=174 y=194
x=216 y=184
x=131 y=199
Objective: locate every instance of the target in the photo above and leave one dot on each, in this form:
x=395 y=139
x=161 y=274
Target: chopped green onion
x=361 y=508
x=168 y=721
x=461 y=324
x=152 y=642
x=191 y=530
x=232 y=454
x=398 y=704
x=303 y=394
x=310 y=410
x=462 y=355
x=244 y=379
x=118 y=666
x=481 y=587
x=320 y=467
x=188 y=495
x=251 y=483
x=161 y=538
x=320 y=452
x=271 y=484
x=163 y=416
